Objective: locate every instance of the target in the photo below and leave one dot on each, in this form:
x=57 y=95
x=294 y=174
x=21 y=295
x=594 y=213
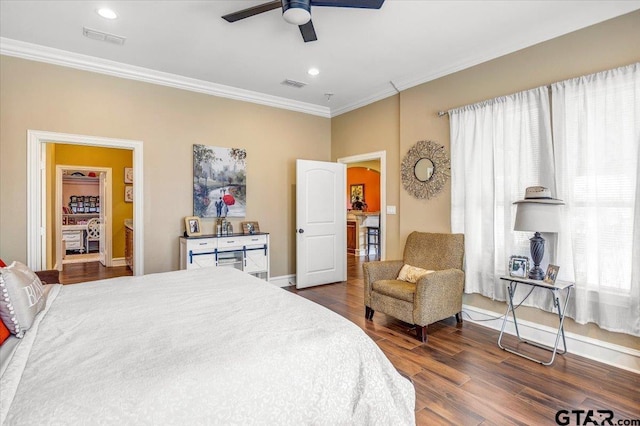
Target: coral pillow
x=412 y=273
x=4 y=332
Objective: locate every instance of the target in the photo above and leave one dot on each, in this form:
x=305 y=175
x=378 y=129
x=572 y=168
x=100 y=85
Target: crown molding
x=378 y=96
x=35 y=52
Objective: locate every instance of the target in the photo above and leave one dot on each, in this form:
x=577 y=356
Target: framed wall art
x=219 y=181
x=128 y=194
x=128 y=175
x=356 y=192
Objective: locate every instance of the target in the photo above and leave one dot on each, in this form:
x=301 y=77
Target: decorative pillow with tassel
x=22 y=296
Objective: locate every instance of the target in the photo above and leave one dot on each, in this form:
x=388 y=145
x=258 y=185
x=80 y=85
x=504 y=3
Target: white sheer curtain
x=596 y=127
x=498 y=148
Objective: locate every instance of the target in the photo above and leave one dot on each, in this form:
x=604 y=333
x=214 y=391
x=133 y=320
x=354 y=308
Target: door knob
x=301 y=231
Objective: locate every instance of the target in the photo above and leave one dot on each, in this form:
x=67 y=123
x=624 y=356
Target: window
x=592 y=160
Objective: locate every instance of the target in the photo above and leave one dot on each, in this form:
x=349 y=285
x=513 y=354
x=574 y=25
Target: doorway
x=83 y=206
x=38 y=181
x=381 y=157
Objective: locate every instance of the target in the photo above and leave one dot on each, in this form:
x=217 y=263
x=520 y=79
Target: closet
x=80 y=199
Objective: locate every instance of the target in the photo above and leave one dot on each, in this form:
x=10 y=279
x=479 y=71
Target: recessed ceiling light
x=107 y=13
x=313 y=71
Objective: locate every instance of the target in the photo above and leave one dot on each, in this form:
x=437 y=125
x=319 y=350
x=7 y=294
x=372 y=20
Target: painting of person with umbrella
x=219 y=176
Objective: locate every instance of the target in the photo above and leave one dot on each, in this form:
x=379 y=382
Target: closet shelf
x=80 y=179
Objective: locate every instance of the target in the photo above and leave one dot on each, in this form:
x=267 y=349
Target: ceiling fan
x=298 y=12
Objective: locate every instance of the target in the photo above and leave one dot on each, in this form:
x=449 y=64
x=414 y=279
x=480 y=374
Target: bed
x=205 y=346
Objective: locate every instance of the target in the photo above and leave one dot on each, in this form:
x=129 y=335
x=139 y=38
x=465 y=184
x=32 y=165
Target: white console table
x=248 y=253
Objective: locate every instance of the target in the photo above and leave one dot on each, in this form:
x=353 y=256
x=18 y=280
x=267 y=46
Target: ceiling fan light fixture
x=296 y=12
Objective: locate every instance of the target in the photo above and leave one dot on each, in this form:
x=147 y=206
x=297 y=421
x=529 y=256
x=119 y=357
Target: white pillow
x=412 y=273
x=21 y=297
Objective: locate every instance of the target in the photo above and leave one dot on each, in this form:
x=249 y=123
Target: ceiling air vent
x=100 y=36
x=293 y=83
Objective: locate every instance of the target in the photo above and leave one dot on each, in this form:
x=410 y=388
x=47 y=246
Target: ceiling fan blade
x=246 y=13
x=308 y=32
x=361 y=4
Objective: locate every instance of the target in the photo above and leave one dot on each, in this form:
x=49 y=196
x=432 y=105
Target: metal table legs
x=513 y=285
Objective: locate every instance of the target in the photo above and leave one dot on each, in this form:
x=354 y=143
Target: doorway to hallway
x=39 y=218
x=359 y=221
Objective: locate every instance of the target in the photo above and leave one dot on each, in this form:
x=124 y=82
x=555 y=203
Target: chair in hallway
x=429 y=288
x=93 y=232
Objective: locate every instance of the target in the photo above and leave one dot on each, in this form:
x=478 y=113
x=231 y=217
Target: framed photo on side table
x=518 y=266
x=192 y=226
x=551 y=275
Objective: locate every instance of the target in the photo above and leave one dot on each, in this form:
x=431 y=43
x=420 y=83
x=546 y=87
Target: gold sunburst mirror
x=425 y=169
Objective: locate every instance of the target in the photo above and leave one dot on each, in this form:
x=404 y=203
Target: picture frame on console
x=249 y=228
x=192 y=226
x=518 y=266
x=552 y=274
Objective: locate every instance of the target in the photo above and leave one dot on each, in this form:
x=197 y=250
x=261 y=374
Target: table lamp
x=537 y=213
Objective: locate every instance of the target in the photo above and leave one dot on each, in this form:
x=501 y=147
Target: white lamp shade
x=537 y=217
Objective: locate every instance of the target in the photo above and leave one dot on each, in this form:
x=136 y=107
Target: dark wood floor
x=461 y=377
x=73 y=273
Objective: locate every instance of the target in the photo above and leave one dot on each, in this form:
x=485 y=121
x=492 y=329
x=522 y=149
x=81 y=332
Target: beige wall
x=169 y=121
x=607 y=45
x=373 y=128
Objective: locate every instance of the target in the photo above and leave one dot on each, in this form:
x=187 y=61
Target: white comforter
x=210 y=346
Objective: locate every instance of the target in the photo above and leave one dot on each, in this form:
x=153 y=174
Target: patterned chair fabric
x=433 y=297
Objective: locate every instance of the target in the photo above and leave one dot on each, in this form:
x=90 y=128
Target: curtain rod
x=443 y=113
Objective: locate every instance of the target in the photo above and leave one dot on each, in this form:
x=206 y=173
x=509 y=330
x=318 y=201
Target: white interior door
x=321 y=217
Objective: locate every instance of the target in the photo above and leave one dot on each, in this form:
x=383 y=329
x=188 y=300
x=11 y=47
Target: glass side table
x=556 y=289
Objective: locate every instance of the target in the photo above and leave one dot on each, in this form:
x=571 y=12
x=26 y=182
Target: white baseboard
x=118 y=261
x=283 y=280
x=597 y=350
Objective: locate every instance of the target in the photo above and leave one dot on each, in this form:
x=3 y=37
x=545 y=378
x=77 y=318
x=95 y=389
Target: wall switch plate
x=391 y=209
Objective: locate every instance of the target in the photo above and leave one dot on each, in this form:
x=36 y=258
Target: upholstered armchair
x=433 y=297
